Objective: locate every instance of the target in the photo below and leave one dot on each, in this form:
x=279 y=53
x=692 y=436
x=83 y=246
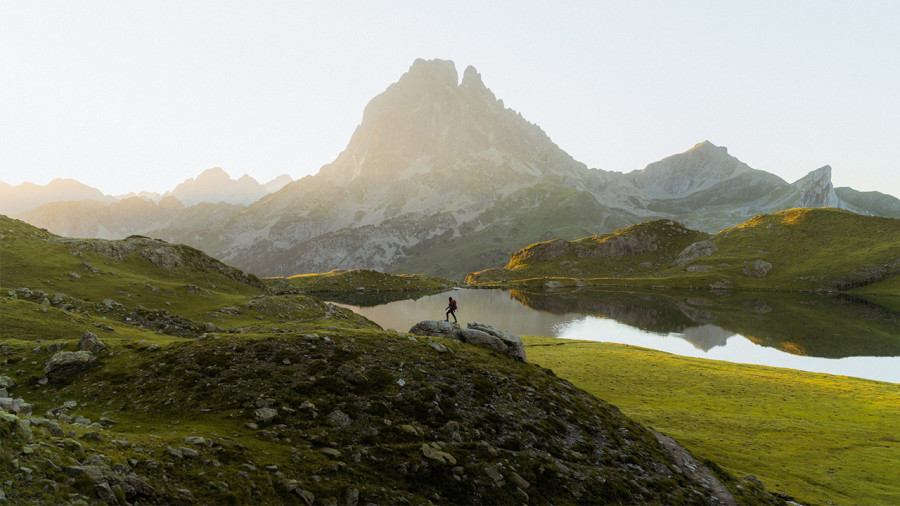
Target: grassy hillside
x=825 y=439
x=793 y=250
x=209 y=390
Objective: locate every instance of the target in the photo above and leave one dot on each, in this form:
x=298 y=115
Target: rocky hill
x=138 y=371
x=800 y=249
x=440 y=177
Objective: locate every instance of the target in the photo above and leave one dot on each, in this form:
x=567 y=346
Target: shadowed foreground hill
x=144 y=372
x=799 y=249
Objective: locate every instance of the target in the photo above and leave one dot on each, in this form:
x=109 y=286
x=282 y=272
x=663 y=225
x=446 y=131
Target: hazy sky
x=129 y=96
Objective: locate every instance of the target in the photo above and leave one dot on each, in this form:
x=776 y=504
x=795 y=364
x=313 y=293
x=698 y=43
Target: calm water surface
x=834 y=335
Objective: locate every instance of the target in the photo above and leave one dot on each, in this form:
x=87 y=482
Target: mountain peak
x=471 y=78
x=436 y=71
x=816 y=189
x=708 y=147
x=215 y=173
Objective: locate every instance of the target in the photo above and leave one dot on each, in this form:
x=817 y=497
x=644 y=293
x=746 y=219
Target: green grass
x=816 y=437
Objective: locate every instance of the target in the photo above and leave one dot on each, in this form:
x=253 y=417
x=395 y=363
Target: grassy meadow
x=818 y=438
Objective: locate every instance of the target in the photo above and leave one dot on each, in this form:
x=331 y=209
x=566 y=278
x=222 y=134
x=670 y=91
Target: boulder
x=514 y=344
x=479 y=334
x=66 y=363
x=90 y=342
x=265 y=415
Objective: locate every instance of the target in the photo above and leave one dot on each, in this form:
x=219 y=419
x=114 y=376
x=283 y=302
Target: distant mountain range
x=441 y=178
x=211 y=186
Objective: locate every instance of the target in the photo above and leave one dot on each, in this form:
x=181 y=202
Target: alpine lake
x=831 y=334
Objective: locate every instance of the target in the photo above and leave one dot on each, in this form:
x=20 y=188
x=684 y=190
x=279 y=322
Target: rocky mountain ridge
x=441 y=178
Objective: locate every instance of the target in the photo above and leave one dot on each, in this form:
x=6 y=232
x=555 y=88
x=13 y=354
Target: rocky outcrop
x=478 y=334
x=696 y=250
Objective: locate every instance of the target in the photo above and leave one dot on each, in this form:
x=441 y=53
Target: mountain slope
x=280 y=399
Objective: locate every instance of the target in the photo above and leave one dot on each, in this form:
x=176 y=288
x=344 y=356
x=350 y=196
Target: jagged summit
x=429 y=121
x=816 y=189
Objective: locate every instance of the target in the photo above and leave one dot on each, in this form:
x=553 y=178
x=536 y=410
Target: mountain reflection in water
x=837 y=334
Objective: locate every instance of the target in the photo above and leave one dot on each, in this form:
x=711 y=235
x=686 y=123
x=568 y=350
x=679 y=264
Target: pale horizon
x=131 y=97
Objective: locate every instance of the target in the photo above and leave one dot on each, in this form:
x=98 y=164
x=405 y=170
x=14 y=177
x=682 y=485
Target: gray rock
x=7 y=382
x=49 y=425
x=434 y=328
x=696 y=250
x=17 y=406
x=756 y=268
x=265 y=415
x=339 y=418
x=66 y=363
x=699 y=268
x=198 y=441
x=440 y=348
x=514 y=344
x=210 y=326
x=90 y=342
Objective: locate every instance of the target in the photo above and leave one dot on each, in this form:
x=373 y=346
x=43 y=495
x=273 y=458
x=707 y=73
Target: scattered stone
x=430 y=451
x=172 y=452
x=153 y=347
x=105 y=493
x=351 y=497
x=7 y=382
x=210 y=326
x=92 y=436
x=52 y=427
x=198 y=441
x=440 y=348
x=339 y=418
x=493 y=474
x=331 y=452
x=17 y=406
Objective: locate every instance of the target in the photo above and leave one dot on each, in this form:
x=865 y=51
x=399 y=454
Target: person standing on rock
x=451 y=310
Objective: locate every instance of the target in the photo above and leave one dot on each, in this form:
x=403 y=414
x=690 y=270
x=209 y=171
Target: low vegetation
x=793 y=250
x=819 y=438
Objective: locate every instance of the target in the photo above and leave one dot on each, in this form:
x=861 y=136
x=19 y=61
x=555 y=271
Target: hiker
x=451 y=310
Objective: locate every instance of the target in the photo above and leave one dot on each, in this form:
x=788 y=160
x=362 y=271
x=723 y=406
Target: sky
x=139 y=96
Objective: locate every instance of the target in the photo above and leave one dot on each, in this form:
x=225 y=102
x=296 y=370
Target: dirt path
x=694 y=469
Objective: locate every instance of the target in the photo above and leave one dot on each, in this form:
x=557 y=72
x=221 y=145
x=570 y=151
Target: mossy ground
x=816 y=437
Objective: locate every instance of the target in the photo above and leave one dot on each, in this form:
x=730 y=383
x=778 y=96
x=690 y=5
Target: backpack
x=453 y=305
